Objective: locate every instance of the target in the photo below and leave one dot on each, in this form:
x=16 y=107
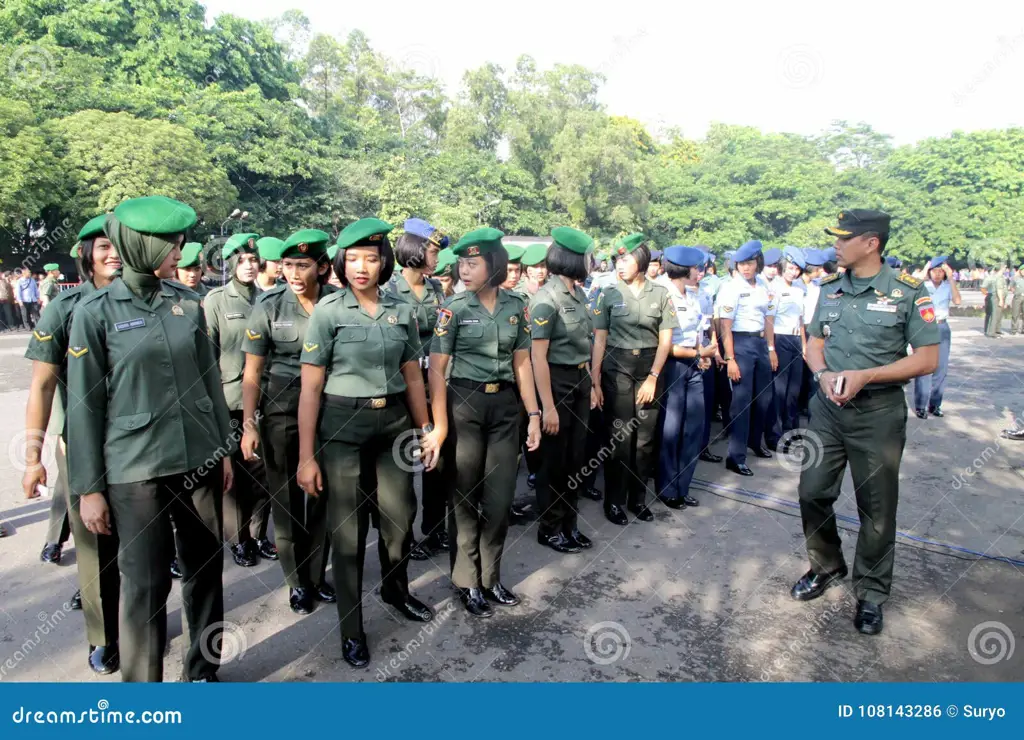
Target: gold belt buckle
x=583 y=365
x=378 y=403
x=636 y=353
x=492 y=387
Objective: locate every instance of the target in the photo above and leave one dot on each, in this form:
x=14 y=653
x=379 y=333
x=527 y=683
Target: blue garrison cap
x=938 y=261
x=684 y=256
x=829 y=254
x=796 y=256
x=419 y=227
x=748 y=251
x=814 y=257
x=772 y=256
x=893 y=262
x=655 y=255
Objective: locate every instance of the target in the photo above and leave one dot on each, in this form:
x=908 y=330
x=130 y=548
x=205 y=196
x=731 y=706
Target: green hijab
x=164 y=221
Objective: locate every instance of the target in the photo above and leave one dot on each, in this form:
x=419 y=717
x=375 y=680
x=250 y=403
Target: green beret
x=535 y=254
x=156 y=214
x=515 y=253
x=74 y=250
x=51 y=266
x=445 y=259
x=93 y=227
x=368 y=232
x=479 y=241
x=236 y=242
x=310 y=243
x=270 y=248
x=571 y=239
x=332 y=252
x=190 y=255
x=628 y=244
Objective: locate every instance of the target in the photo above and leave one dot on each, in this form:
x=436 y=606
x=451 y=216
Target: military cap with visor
x=419 y=227
x=857 y=221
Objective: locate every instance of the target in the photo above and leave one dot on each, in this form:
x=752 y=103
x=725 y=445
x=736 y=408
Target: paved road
x=694 y=596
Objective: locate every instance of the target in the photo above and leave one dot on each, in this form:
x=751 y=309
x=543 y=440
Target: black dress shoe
x=51 y=554
x=418 y=551
x=717 y=416
x=104 y=659
x=642 y=513
x=412 y=609
x=576 y=537
x=325 y=593
x=921 y=413
x=936 y=412
x=690 y=500
x=76 y=601
x=812 y=585
x=557 y=542
x=243 y=554
x=710 y=457
x=175 y=569
x=266 y=549
x=616 y=515
x=737 y=468
x=592 y=493
x=355 y=651
x=531 y=480
x=672 y=503
x=773 y=446
x=441 y=541
x=868 y=619
x=518 y=515
x=300 y=600
x=475 y=603
x=500 y=595
x=761 y=452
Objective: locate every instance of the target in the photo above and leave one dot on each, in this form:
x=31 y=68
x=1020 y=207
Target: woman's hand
x=646 y=393
x=309 y=478
x=533 y=433
x=250 y=441
x=596 y=397
x=734 y=371
x=229 y=474
x=773 y=359
x=95 y=513
x=550 y=421
x=430 y=448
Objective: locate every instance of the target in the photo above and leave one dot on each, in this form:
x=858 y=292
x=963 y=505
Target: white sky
x=910 y=69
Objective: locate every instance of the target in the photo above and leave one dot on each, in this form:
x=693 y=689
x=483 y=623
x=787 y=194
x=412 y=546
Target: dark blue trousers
x=751 y=397
x=788 y=380
x=928 y=388
x=682 y=427
x=709 y=380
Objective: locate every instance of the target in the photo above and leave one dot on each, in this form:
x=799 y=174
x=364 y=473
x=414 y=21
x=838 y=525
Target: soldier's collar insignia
x=177 y=310
x=897 y=293
x=392 y=319
x=513 y=320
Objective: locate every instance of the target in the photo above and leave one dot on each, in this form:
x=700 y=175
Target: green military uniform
x=1017 y=311
x=276 y=331
x=633 y=323
x=560 y=315
x=363 y=419
x=149 y=428
x=247 y=504
x=865 y=323
x=190 y=257
x=483 y=413
x=95 y=554
x=49 y=288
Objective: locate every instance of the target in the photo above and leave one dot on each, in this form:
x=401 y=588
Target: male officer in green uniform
x=190 y=270
x=49 y=288
x=1017 y=311
x=857 y=352
x=515 y=268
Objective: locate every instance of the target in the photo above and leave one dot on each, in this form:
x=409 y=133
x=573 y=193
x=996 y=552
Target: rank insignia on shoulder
x=834 y=276
x=392 y=319
x=253 y=335
x=42 y=337
x=438 y=331
x=309 y=346
x=444 y=317
x=540 y=322
x=177 y=310
x=913 y=282
x=77 y=352
x=727 y=308
x=513 y=320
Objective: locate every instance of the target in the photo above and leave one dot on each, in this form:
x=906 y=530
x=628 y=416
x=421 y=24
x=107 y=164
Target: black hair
x=565 y=262
x=411 y=251
x=83 y=262
x=497 y=267
x=883 y=239
x=830 y=267
x=642 y=255
x=760 y=262
x=675 y=271
x=387 y=262
x=232 y=263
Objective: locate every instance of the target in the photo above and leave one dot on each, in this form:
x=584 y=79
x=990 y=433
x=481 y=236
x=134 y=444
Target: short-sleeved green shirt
x=227 y=313
x=563 y=318
x=426 y=307
x=363 y=354
x=633 y=321
x=49 y=289
x=277 y=329
x=1018 y=285
x=481 y=344
x=873 y=327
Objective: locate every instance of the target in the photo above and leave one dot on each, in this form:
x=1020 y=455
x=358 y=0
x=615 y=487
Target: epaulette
x=834 y=276
x=910 y=280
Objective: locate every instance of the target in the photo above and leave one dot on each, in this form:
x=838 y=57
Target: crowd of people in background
x=23 y=296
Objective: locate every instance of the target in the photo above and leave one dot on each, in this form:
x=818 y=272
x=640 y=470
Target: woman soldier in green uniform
x=534 y=261
x=95 y=554
x=151 y=438
x=190 y=270
x=633 y=322
x=446 y=272
x=247 y=504
x=361 y=357
x=485 y=334
x=561 y=328
x=274 y=335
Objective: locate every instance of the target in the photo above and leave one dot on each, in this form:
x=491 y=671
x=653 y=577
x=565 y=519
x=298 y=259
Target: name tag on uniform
x=463 y=322
x=830 y=303
x=744 y=295
x=883 y=307
x=570 y=309
x=234 y=316
x=283 y=324
x=133 y=324
x=619 y=305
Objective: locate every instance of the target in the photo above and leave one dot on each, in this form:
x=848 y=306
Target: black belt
x=633 y=352
x=277 y=384
x=748 y=334
x=580 y=366
x=494 y=387
x=377 y=402
x=867 y=393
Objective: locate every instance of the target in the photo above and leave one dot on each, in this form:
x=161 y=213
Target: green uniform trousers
x=562 y=455
x=485 y=435
x=1017 y=313
x=360 y=444
x=993 y=315
x=300 y=521
x=247 y=504
x=632 y=438
x=142 y=514
x=436 y=486
x=869 y=433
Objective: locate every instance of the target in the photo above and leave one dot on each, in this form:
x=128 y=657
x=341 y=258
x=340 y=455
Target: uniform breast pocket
x=285 y=337
x=351 y=334
x=620 y=310
x=398 y=332
x=890 y=322
x=507 y=336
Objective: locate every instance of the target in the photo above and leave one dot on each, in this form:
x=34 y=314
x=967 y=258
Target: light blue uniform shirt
x=789 y=306
x=747 y=305
x=942 y=296
x=689 y=315
x=707 y=308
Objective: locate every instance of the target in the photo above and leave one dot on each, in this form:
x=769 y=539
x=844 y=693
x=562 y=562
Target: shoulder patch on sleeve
x=253 y=335
x=923 y=299
x=77 y=352
x=910 y=280
x=830 y=278
x=42 y=337
x=310 y=346
x=444 y=317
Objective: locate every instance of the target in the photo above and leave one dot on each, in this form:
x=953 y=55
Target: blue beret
x=684 y=256
x=814 y=257
x=938 y=261
x=655 y=255
x=796 y=256
x=893 y=262
x=829 y=254
x=419 y=227
x=748 y=251
x=772 y=256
